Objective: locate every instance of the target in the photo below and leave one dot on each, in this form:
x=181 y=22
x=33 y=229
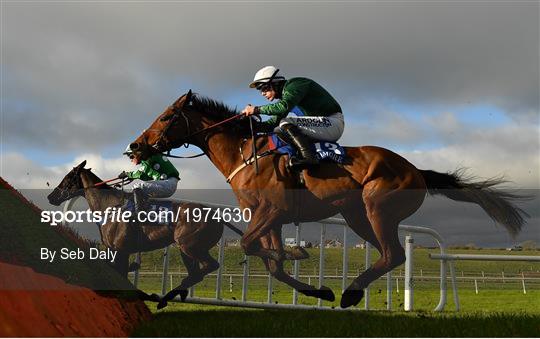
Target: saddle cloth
x=324 y=150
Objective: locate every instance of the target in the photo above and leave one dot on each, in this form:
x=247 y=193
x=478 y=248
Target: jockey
x=159 y=177
x=319 y=115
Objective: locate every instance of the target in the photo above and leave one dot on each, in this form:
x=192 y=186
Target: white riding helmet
x=266 y=74
x=128 y=150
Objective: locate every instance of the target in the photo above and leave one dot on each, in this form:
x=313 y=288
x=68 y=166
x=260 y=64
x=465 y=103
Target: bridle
x=74 y=181
x=162 y=144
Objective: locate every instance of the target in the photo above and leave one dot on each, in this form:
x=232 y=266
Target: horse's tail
x=233 y=228
x=497 y=203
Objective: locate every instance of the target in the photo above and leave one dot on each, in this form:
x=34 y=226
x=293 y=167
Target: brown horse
x=193 y=239
x=374 y=190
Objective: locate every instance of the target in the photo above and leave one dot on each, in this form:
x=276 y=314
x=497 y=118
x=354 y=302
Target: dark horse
x=193 y=239
x=374 y=190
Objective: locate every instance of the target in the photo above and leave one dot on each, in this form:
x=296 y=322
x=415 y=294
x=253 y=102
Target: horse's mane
x=111 y=189
x=219 y=111
x=211 y=107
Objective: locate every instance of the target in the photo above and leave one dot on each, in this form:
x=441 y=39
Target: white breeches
x=328 y=128
x=157 y=188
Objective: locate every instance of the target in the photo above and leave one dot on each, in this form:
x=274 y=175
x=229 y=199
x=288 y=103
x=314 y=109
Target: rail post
x=409 y=283
x=368 y=264
x=219 y=277
x=344 y=280
x=270 y=289
x=296 y=265
x=165 y=270
x=136 y=275
x=245 y=278
x=389 y=291
x=321 y=259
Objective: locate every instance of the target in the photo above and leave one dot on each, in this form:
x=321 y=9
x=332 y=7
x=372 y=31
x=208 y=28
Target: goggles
x=264 y=86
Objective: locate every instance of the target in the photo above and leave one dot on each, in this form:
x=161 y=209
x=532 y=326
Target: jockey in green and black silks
x=318 y=114
x=159 y=178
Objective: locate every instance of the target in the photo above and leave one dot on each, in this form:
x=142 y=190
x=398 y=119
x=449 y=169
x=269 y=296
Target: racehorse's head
x=168 y=131
x=69 y=187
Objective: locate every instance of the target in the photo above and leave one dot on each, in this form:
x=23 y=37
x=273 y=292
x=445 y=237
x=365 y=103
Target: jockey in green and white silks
x=318 y=114
x=159 y=178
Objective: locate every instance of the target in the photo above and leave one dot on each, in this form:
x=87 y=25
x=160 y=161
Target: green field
x=499 y=309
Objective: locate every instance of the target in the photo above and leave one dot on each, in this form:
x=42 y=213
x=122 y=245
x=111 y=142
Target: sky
x=445 y=84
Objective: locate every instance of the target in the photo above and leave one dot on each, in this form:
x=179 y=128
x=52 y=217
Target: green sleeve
x=138 y=173
x=293 y=92
x=145 y=172
x=152 y=173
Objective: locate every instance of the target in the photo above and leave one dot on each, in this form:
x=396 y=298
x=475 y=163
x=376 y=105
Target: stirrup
x=300 y=163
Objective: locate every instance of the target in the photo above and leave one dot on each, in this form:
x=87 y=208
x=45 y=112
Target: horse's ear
x=187 y=99
x=82 y=164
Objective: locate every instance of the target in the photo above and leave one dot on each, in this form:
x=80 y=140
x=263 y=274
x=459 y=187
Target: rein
x=173 y=118
x=122 y=180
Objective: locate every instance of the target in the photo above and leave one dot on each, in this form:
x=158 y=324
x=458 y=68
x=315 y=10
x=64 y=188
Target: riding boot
x=302 y=144
x=140 y=199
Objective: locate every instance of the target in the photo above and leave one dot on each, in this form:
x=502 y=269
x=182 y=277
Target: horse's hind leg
x=357 y=220
x=385 y=209
x=392 y=255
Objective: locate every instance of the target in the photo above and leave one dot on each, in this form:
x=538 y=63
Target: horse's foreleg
x=194 y=276
x=257 y=230
x=276 y=269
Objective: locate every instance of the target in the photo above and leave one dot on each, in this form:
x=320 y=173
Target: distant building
x=333 y=243
x=292 y=242
x=232 y=243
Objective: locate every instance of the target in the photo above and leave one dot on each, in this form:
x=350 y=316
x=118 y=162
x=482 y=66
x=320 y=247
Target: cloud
x=23 y=173
x=510 y=150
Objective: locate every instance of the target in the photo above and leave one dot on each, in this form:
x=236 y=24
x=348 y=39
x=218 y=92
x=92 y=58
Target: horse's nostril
x=134 y=146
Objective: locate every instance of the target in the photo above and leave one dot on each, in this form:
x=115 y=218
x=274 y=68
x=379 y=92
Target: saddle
x=325 y=150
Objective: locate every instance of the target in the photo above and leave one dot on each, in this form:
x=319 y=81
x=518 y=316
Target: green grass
x=212 y=322
x=498 y=310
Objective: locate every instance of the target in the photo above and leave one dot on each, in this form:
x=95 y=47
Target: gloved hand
x=122 y=175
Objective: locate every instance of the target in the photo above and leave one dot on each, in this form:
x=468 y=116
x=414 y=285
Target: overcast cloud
x=85 y=78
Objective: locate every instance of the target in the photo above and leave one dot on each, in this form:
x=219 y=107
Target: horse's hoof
x=183 y=295
x=351 y=298
x=325 y=293
x=147 y=297
x=161 y=304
